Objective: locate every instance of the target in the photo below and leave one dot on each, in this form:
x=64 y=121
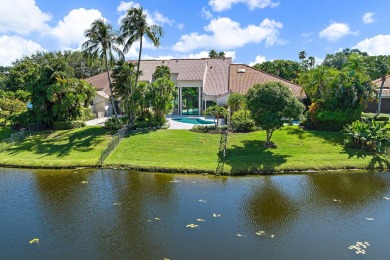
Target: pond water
x=121 y=214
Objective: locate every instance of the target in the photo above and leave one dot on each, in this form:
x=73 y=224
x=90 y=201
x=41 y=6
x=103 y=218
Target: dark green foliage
x=371 y=136
x=114 y=123
x=368 y=117
x=86 y=114
x=67 y=125
x=330 y=120
x=286 y=69
x=271 y=104
x=242 y=122
x=215 y=54
x=217 y=112
x=236 y=101
x=208 y=129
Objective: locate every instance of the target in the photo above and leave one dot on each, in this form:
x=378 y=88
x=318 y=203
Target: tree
x=302 y=55
x=133 y=28
x=312 y=61
x=101 y=44
x=162 y=72
x=236 y=101
x=382 y=66
x=215 y=54
x=271 y=104
x=10 y=107
x=217 y=112
x=161 y=93
x=286 y=69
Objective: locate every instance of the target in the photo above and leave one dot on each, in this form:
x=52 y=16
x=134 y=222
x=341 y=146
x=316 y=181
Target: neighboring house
x=385 y=104
x=200 y=82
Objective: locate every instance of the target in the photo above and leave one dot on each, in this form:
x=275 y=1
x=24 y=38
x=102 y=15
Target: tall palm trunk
x=136 y=76
x=380 y=94
x=110 y=87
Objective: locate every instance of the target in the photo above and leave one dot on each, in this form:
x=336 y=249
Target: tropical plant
x=236 y=101
x=162 y=72
x=161 y=94
x=217 y=112
x=241 y=121
x=271 y=104
x=133 y=28
x=286 y=69
x=101 y=44
x=371 y=136
x=215 y=54
x=382 y=66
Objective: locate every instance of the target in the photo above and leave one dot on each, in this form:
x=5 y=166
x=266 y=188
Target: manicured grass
x=297 y=150
x=179 y=150
x=67 y=148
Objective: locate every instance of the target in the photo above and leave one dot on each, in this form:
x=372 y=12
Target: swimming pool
x=192 y=120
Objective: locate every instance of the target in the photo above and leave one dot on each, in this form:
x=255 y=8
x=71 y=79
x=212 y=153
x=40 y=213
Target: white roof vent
x=241 y=71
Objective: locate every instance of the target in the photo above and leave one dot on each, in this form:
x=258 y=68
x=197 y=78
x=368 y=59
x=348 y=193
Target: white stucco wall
x=223 y=100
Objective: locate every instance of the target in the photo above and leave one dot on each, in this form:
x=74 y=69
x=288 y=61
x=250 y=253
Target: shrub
x=114 y=123
x=208 y=129
x=368 y=117
x=329 y=120
x=66 y=125
x=86 y=114
x=370 y=136
x=242 y=122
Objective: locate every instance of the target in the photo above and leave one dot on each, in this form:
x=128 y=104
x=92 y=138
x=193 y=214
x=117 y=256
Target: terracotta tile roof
x=240 y=82
x=217 y=77
x=386 y=86
x=100 y=82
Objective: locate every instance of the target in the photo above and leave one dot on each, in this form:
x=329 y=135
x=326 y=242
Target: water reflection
x=270 y=208
x=346 y=191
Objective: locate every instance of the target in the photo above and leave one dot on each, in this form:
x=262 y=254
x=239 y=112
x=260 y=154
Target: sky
x=249 y=31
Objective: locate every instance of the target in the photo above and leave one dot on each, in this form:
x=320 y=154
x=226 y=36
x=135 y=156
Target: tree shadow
x=62 y=144
x=378 y=161
x=253 y=157
x=335 y=138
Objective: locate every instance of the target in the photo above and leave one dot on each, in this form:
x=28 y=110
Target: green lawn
x=297 y=150
x=186 y=151
x=67 y=148
x=168 y=149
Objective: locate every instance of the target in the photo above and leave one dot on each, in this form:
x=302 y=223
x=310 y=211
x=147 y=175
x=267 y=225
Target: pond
x=123 y=214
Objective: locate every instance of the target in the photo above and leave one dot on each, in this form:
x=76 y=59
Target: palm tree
x=383 y=68
x=133 y=27
x=302 y=55
x=312 y=61
x=162 y=72
x=101 y=44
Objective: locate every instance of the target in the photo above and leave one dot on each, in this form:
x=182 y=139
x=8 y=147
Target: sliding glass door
x=190 y=101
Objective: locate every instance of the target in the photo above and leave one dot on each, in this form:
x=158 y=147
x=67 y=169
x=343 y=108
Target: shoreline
x=190 y=171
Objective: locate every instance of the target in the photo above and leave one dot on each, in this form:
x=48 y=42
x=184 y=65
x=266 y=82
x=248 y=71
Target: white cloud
x=225 y=33
x=377 y=45
x=206 y=13
x=22 y=17
x=199 y=55
x=180 y=26
x=336 y=31
x=259 y=59
x=70 y=31
x=223 y=5
x=319 y=61
x=155 y=18
x=15 y=47
x=368 y=18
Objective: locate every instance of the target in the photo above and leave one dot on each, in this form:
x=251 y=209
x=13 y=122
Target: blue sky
x=248 y=30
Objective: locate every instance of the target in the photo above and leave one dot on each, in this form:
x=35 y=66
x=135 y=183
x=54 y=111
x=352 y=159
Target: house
x=385 y=104
x=200 y=83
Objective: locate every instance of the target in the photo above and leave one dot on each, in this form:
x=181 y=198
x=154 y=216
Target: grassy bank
x=68 y=148
x=167 y=149
x=298 y=150
x=185 y=151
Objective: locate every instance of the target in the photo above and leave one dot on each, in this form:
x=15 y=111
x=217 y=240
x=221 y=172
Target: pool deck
x=178 y=125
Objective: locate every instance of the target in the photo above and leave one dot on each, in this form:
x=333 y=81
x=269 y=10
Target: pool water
x=191 y=120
